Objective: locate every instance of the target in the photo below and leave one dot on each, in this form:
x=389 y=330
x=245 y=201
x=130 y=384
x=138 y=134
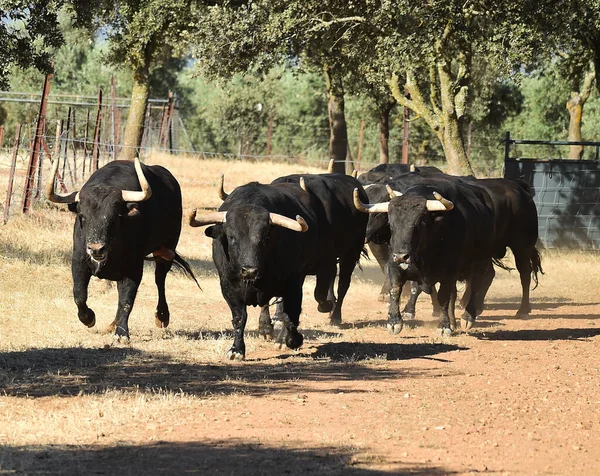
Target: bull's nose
x=248 y=272
x=401 y=258
x=97 y=251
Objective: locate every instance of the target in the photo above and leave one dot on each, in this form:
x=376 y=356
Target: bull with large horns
x=441 y=232
x=125 y=212
x=265 y=242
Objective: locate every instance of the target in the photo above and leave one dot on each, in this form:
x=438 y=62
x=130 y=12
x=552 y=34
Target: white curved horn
x=392 y=193
x=412 y=168
x=440 y=204
x=330 y=166
x=58 y=197
x=303 y=184
x=206 y=219
x=133 y=195
x=299 y=224
x=368 y=207
x=354 y=173
x=222 y=194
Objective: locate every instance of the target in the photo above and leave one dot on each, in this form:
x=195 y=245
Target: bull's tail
x=185 y=267
x=181 y=264
x=536 y=265
x=501 y=264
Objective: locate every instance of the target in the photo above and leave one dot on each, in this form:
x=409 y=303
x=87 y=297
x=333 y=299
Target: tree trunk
x=338 y=134
x=575 y=107
x=134 y=129
x=442 y=118
x=384 y=131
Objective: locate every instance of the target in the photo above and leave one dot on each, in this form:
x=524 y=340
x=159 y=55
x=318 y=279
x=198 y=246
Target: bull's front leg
x=81 y=280
x=382 y=254
x=292 y=306
x=127 y=289
x=239 y=317
x=481 y=277
x=447 y=299
x=396 y=280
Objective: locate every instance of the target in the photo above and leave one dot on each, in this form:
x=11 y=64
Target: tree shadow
x=233 y=456
x=77 y=371
x=359 y=351
x=538 y=334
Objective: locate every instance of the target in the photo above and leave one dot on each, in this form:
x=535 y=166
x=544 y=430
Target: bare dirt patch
x=515 y=396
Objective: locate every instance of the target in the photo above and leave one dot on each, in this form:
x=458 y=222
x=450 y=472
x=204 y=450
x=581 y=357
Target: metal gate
x=566 y=192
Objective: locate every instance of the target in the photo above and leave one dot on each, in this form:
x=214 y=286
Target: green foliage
x=28 y=30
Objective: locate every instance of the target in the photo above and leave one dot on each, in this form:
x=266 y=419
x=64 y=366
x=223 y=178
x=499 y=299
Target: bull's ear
x=213 y=231
x=73 y=207
x=134 y=211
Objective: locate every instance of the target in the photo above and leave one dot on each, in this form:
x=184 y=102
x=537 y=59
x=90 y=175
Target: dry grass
x=65 y=385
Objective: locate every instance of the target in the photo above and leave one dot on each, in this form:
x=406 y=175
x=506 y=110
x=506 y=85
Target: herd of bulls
x=421 y=224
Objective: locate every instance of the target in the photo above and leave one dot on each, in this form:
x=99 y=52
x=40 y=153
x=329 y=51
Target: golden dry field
x=515 y=396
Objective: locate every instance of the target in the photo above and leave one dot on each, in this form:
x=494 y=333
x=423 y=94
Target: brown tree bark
x=338 y=133
x=134 y=129
x=579 y=95
x=384 y=130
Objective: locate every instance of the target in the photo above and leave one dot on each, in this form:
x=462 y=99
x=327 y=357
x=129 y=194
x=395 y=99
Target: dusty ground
x=515 y=396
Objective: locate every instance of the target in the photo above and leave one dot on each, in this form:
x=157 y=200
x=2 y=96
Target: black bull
x=124 y=212
x=440 y=233
x=261 y=253
x=515 y=226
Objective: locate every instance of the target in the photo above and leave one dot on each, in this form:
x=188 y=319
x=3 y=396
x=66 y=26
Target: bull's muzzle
x=249 y=273
x=97 y=251
x=401 y=258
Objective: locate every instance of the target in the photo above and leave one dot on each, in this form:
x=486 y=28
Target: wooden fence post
x=35 y=148
x=11 y=177
x=96 y=149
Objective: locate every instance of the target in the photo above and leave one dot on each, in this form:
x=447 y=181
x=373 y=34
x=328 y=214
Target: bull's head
x=244 y=232
x=100 y=210
x=411 y=221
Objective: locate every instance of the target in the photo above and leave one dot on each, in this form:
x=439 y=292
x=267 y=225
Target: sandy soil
x=515 y=396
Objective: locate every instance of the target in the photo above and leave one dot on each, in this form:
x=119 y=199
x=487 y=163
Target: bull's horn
x=299 y=224
x=412 y=168
x=207 y=218
x=330 y=167
x=440 y=204
x=302 y=184
x=392 y=193
x=354 y=173
x=369 y=185
x=222 y=194
x=368 y=207
x=133 y=195
x=58 y=197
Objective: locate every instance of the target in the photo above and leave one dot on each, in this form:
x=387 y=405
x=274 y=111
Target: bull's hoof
x=162 y=322
x=266 y=332
x=522 y=314
x=395 y=328
x=88 y=319
x=445 y=331
x=326 y=306
x=235 y=355
x=122 y=339
x=408 y=315
x=466 y=324
x=335 y=321
x=294 y=340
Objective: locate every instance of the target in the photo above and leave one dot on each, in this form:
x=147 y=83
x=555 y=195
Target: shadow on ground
x=538 y=334
x=214 y=457
x=77 y=371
